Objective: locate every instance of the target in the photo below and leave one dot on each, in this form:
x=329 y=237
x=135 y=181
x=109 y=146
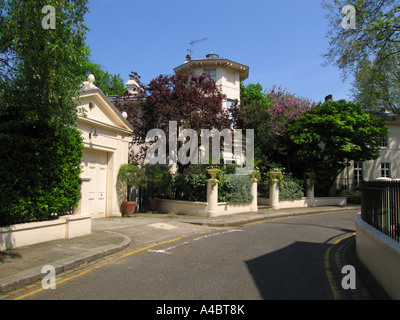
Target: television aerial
x=192 y=43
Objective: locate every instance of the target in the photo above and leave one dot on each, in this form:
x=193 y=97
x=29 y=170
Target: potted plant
x=158 y=182
x=130 y=176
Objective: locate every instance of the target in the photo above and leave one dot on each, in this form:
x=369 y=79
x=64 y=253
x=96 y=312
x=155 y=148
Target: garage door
x=94 y=186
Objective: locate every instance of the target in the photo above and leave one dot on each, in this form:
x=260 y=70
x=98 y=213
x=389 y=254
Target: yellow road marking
x=334 y=289
x=107 y=262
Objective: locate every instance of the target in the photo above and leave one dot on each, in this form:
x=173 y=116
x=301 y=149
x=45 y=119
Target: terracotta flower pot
x=129 y=207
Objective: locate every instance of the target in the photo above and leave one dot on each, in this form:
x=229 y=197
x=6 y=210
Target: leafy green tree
x=330 y=135
x=110 y=84
x=377 y=87
x=45 y=74
x=40 y=74
x=252 y=93
x=269 y=117
x=369 y=51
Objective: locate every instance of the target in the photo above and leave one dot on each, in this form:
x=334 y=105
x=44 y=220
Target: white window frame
x=212 y=73
x=384 y=142
x=385 y=169
x=358 y=173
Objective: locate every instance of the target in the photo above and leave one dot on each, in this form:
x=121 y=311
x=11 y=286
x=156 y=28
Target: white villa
x=387 y=166
x=106 y=138
x=106 y=132
x=226 y=73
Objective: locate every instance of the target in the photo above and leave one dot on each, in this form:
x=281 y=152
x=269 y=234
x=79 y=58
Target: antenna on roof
x=192 y=44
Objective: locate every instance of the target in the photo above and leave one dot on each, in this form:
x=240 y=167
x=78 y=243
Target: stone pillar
x=274 y=191
x=212 y=197
x=310 y=193
x=254 y=205
x=310 y=181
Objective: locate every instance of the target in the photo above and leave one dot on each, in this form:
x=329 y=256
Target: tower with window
x=228 y=75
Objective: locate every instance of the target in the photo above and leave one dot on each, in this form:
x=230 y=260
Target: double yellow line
x=107 y=262
x=332 y=284
x=334 y=289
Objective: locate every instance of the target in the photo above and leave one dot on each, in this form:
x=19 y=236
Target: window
x=230 y=104
x=358 y=173
x=385 y=169
x=384 y=141
x=212 y=73
x=230 y=77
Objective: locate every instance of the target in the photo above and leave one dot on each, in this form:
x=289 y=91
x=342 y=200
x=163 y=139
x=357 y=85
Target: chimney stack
x=188 y=58
x=328 y=98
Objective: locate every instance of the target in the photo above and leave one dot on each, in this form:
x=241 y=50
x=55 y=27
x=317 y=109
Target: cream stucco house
x=106 y=141
x=387 y=166
x=226 y=73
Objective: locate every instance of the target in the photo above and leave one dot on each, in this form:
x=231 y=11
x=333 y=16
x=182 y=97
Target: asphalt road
x=292 y=258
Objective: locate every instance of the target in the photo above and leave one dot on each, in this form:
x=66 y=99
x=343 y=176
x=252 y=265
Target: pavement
x=23 y=266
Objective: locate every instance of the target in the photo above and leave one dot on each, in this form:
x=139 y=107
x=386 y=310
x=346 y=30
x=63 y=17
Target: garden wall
x=213 y=208
x=65 y=227
x=380 y=254
x=305 y=202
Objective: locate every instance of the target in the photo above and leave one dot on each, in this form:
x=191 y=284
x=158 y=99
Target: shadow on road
x=295 y=272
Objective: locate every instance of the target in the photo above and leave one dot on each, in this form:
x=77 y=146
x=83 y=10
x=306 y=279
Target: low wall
x=225 y=208
x=200 y=209
x=183 y=207
x=380 y=254
x=306 y=202
x=24 y=234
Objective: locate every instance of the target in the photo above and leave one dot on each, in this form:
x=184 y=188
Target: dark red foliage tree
x=195 y=102
x=192 y=101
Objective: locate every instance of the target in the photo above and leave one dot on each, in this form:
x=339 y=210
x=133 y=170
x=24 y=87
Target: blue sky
x=282 y=41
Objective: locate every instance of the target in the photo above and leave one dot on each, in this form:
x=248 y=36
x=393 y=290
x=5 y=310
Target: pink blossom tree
x=285 y=108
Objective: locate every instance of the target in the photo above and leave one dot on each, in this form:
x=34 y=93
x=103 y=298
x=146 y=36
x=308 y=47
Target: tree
x=46 y=62
x=40 y=76
x=285 y=108
x=110 y=84
x=194 y=102
x=251 y=93
x=368 y=51
x=330 y=135
x=377 y=87
x=270 y=117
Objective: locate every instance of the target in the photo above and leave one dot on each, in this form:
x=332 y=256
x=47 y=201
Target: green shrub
x=39 y=174
x=291 y=188
x=159 y=181
x=192 y=185
x=189 y=187
x=235 y=188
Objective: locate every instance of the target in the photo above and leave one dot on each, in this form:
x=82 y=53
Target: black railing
x=380 y=205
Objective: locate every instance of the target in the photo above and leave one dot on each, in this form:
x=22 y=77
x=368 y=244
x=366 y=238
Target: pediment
x=100 y=110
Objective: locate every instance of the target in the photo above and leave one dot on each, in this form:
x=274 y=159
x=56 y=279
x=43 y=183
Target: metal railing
x=380 y=205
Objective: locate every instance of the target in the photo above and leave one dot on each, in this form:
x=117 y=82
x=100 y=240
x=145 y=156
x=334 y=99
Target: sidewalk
x=23 y=266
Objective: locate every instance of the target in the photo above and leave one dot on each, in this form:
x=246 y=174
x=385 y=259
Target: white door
x=94 y=166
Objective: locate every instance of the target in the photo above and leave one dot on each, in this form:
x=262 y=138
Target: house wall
x=229 y=80
x=380 y=254
x=372 y=169
x=104 y=153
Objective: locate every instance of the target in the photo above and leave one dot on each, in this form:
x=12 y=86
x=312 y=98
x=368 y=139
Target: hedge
x=39 y=174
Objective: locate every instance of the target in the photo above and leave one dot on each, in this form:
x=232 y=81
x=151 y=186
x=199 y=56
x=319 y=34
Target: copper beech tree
x=193 y=101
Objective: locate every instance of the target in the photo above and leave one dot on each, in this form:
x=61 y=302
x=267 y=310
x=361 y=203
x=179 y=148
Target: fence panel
x=380 y=204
